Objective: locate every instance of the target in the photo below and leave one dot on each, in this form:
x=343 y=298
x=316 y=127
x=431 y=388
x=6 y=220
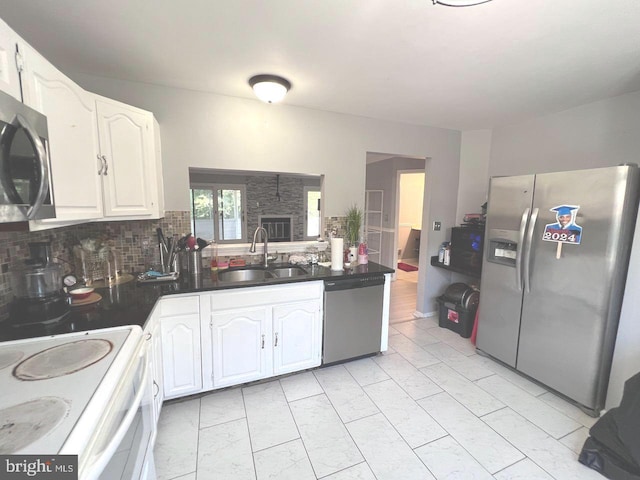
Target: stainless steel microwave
x=25 y=179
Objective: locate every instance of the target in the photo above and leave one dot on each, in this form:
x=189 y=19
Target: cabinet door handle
x=276 y=344
x=148 y=336
x=101 y=164
x=106 y=165
x=263 y=342
x=157 y=389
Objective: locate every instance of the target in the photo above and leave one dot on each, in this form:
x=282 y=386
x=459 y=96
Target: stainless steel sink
x=244 y=275
x=255 y=274
x=287 y=272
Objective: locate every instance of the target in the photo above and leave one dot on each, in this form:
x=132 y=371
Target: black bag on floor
x=613 y=449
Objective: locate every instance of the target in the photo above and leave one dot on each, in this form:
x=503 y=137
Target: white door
x=126 y=145
x=181 y=359
x=241 y=346
x=73 y=137
x=297 y=336
x=9 y=79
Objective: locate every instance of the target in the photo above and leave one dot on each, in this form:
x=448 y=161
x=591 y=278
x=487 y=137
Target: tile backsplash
x=135 y=242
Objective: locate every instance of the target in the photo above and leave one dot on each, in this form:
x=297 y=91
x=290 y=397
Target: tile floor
x=428 y=408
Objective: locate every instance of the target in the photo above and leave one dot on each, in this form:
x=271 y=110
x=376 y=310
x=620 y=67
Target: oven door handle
x=99 y=465
x=42 y=167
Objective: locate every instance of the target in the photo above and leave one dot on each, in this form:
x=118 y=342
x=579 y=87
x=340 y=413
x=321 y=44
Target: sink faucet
x=265 y=237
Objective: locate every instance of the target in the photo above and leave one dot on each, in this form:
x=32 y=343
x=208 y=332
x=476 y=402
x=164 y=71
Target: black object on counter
x=201 y=243
x=613 y=448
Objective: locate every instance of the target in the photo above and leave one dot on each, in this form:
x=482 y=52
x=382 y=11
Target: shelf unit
x=373 y=222
x=470 y=273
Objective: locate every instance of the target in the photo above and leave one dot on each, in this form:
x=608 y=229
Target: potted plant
x=354 y=223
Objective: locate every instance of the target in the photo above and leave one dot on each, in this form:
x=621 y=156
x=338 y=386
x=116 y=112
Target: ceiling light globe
x=459 y=3
x=269 y=88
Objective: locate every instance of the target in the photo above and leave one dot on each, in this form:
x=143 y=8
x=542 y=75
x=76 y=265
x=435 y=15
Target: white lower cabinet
x=156 y=362
x=241 y=346
x=181 y=355
x=278 y=330
x=297 y=336
x=208 y=341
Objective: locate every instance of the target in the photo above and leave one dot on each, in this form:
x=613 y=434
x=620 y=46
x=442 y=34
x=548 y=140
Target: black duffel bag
x=613 y=448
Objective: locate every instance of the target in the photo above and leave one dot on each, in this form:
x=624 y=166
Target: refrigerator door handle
x=527 y=251
x=523 y=227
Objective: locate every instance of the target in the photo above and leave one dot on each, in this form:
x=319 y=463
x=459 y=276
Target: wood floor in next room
x=404 y=292
x=429 y=408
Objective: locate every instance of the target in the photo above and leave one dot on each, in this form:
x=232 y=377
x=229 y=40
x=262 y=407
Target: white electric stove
x=77 y=393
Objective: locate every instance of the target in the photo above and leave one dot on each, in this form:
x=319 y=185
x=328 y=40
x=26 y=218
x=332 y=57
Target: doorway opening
x=385 y=217
x=410 y=194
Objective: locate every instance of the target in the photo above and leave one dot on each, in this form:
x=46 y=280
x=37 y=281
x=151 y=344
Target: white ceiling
x=402 y=60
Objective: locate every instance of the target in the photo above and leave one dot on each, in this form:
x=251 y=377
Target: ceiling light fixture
x=459 y=3
x=269 y=88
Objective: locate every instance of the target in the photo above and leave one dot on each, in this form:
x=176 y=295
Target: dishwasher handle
x=353 y=282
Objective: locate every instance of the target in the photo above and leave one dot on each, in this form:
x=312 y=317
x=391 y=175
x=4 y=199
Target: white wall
x=411 y=189
x=473 y=186
x=214 y=131
x=207 y=130
x=599 y=134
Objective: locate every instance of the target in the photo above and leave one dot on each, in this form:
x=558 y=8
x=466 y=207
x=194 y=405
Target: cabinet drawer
x=267 y=295
x=178 y=306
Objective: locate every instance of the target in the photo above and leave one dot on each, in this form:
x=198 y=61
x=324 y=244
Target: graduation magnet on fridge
x=565 y=229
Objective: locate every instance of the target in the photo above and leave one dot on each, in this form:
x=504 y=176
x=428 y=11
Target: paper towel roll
x=337 y=246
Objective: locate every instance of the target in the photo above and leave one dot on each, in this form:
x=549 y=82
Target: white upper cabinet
x=73 y=138
x=105 y=155
x=130 y=167
x=9 y=77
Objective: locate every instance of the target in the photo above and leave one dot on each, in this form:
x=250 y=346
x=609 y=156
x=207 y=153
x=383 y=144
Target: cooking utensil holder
x=182 y=262
x=195 y=262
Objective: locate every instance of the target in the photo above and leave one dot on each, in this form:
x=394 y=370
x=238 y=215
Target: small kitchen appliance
x=37 y=286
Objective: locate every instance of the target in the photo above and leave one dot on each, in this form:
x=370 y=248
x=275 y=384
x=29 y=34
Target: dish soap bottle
x=363 y=252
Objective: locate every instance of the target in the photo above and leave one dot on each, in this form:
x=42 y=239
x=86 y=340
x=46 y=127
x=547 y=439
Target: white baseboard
x=418 y=314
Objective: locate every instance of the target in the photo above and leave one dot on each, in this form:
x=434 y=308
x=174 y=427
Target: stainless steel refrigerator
x=556 y=254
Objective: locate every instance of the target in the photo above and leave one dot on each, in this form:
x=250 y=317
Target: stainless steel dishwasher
x=352 y=317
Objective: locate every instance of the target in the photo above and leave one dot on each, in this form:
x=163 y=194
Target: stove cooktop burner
x=62 y=359
x=25 y=423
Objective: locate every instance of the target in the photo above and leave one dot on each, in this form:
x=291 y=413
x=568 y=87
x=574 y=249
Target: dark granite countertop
x=131 y=303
